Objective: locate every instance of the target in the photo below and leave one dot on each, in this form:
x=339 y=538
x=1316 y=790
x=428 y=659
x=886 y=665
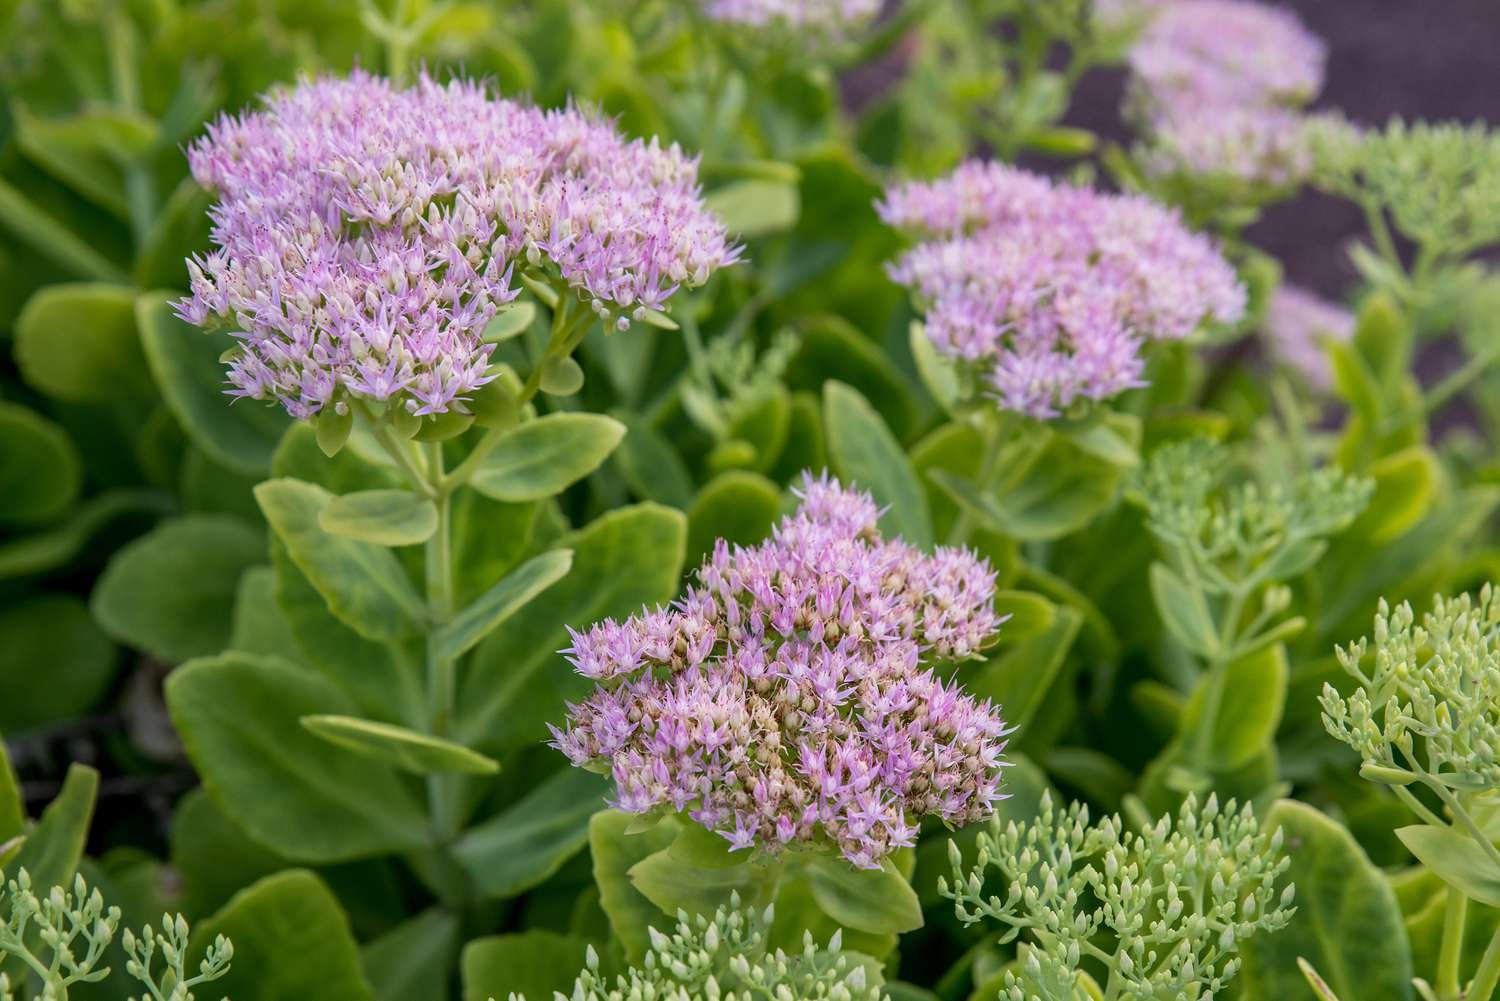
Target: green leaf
x=1406 y=484
x=509 y=322
x=12 y=807
x=1026 y=614
x=412 y=961
x=1347 y=924
x=517 y=680
x=832 y=348
x=143 y=598
x=651 y=467
x=77 y=342
x=533 y=964
x=185 y=363
x=738 y=506
x=54 y=847
x=1457 y=859
x=363 y=584
x=240 y=720
x=543 y=457
x=508 y=596
x=408 y=750
x=260 y=627
x=333 y=429
x=29 y=224
x=560 y=376
x=40 y=474
x=1250 y=711
x=1019 y=679
x=384 y=517
x=879 y=901
x=291 y=940
x=38 y=552
x=697 y=884
x=213 y=857
x=530 y=840
x=53 y=632
x=939 y=373
x=615 y=850
x=756 y=206
x=1355 y=382
x=865 y=454
x=1184 y=612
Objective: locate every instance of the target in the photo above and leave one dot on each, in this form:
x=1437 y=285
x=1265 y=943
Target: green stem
x=994 y=433
x=1456 y=382
x=443 y=790
x=1451 y=950
x=1482 y=987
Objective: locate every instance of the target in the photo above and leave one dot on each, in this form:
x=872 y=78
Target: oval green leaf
x=408 y=750
x=545 y=456
x=384 y=517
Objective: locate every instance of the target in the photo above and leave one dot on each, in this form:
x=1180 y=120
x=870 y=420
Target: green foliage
x=1176 y=898
x=61 y=936
x=726 y=956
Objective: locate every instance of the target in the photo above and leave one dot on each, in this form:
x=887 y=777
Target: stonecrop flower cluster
x=1297 y=324
x=1427 y=702
x=365 y=234
x=726 y=958
x=810 y=21
x=784 y=700
x=1051 y=291
x=1163 y=909
x=1217 y=84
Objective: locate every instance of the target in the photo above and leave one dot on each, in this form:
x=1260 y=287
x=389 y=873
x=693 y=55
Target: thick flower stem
x=1452 y=947
x=443 y=791
x=1482 y=987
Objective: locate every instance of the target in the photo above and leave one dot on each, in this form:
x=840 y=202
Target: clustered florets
x=1173 y=900
x=726 y=958
x=1296 y=325
x=1216 y=83
x=783 y=700
x=1051 y=290
x=365 y=235
x=807 y=20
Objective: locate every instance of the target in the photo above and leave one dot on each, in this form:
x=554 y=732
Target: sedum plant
x=1230 y=544
x=1161 y=911
x=1424 y=718
x=61 y=939
x=726 y=957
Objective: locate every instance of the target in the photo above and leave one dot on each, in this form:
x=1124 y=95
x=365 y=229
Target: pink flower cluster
x=1216 y=84
x=365 y=235
x=1051 y=291
x=1296 y=325
x=806 y=20
x=783 y=700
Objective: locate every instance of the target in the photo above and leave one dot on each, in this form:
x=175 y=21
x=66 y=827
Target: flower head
x=1227 y=52
x=783 y=699
x=365 y=234
x=1296 y=325
x=1049 y=290
x=809 y=21
x=1216 y=84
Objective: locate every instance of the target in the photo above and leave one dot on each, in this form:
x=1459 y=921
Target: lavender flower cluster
x=783 y=700
x=1049 y=290
x=365 y=234
x=1217 y=84
x=814 y=21
x=1296 y=325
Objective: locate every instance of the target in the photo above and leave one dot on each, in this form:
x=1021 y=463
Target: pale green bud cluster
x=1227 y=532
x=62 y=937
x=1428 y=703
x=1162 y=910
x=1438 y=183
x=725 y=958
